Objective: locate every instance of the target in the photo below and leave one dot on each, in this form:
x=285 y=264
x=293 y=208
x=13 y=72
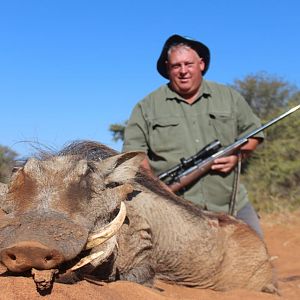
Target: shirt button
x=197 y=141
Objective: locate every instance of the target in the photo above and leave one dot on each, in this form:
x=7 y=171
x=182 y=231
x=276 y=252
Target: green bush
x=273 y=174
x=7 y=157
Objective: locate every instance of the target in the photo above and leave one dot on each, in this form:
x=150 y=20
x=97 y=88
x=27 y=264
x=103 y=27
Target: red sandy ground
x=282 y=235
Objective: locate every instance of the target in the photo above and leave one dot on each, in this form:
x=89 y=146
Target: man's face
x=185 y=71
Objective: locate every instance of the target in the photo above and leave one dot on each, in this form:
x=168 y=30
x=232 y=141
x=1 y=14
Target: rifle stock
x=197 y=171
x=191 y=174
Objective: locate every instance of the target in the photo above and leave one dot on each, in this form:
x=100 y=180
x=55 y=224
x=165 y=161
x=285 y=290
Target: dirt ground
x=282 y=235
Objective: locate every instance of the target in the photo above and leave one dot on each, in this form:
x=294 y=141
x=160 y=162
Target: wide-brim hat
x=175 y=39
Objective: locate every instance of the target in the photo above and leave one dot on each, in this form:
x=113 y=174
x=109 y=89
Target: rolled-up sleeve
x=247 y=120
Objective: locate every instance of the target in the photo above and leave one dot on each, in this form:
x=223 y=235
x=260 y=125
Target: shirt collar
x=204 y=91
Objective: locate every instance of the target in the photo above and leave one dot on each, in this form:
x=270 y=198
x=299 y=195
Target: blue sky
x=70 y=68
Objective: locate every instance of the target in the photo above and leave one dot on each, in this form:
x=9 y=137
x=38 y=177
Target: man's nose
x=183 y=69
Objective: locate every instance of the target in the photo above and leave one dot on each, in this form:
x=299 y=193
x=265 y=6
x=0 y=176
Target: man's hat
x=176 y=39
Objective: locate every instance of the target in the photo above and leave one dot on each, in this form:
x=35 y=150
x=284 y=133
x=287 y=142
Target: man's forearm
x=250 y=146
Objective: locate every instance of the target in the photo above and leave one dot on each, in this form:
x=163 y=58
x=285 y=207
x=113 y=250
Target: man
x=180 y=118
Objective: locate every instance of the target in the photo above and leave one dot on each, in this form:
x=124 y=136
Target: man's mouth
x=184 y=79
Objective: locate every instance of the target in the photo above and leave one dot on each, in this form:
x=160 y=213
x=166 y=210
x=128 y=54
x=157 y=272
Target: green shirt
x=168 y=128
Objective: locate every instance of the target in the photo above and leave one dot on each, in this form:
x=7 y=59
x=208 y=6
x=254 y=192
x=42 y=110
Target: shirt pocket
x=165 y=135
x=224 y=125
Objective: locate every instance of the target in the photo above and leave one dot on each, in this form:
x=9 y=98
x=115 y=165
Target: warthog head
x=60 y=209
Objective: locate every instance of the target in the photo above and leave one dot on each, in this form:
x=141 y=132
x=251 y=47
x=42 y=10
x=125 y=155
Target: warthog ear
x=122 y=167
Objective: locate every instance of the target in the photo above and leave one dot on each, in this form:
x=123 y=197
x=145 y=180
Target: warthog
x=91 y=211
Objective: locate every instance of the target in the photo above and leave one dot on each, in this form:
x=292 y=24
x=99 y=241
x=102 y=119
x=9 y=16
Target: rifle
x=194 y=167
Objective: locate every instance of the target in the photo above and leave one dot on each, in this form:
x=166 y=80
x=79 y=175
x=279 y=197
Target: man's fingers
x=224 y=164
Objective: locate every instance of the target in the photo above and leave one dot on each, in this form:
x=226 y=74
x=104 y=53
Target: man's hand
x=225 y=164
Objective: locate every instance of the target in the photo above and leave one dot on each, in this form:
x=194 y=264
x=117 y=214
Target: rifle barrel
x=268 y=124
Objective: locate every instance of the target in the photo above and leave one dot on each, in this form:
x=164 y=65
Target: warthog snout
x=27 y=255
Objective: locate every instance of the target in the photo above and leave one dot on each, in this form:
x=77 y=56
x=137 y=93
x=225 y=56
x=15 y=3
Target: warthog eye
x=112 y=185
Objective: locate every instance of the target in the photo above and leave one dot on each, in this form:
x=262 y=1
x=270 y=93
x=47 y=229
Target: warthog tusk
x=105 y=234
x=108 y=231
x=86 y=260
